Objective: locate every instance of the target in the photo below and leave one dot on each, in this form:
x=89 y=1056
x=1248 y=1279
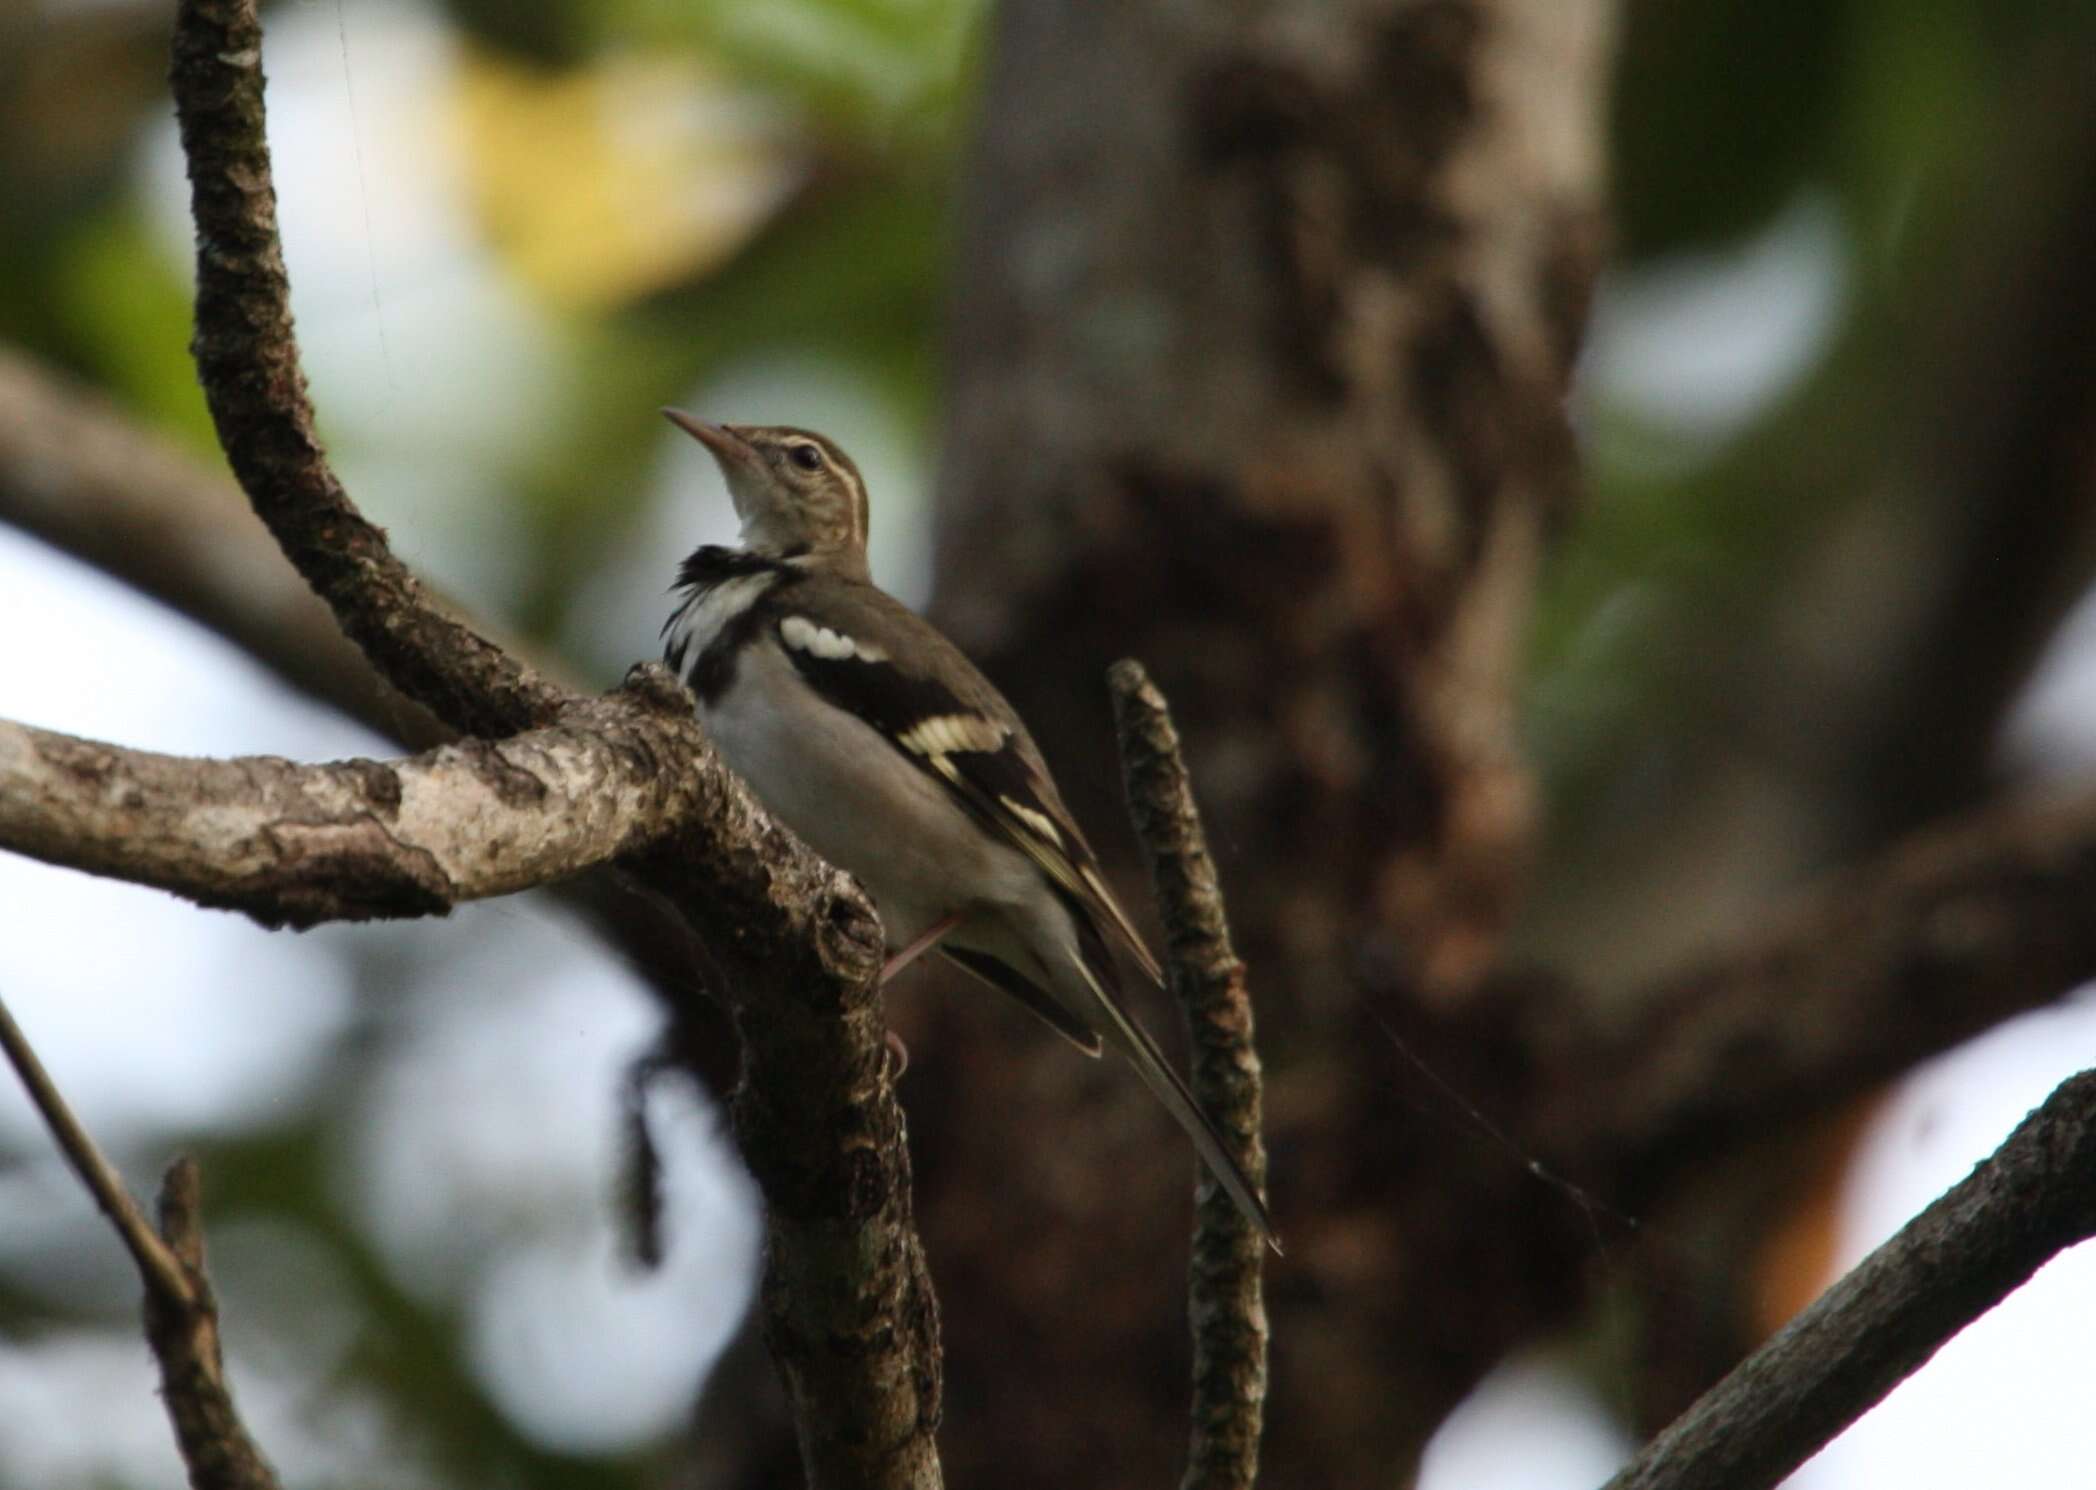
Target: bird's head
x=795 y=492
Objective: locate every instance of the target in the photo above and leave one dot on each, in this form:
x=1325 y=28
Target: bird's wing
x=1157 y=1074
x=1002 y=976
x=847 y=640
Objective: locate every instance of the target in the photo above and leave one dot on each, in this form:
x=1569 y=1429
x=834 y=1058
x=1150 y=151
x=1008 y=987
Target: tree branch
x=181 y=1314
x=215 y=1443
x=1225 y=1298
x=850 y=1315
x=296 y=845
x=849 y=1309
x=247 y=358
x=1959 y=1258
x=160 y=1268
x=89 y=480
x=1951 y=932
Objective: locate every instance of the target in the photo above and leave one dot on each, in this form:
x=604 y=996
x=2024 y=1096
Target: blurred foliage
x=586 y=194
x=663 y=235
x=108 y=282
x=1726 y=114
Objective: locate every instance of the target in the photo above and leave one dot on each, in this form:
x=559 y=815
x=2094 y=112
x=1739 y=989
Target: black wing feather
x=713 y=669
x=1006 y=791
x=990 y=782
x=1002 y=786
x=1007 y=979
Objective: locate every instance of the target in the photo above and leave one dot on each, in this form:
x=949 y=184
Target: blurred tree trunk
x=1263 y=327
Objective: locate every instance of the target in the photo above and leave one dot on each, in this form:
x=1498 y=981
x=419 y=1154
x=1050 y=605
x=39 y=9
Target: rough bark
x=296 y=845
x=1259 y=372
x=1225 y=1294
x=184 y=1335
x=247 y=359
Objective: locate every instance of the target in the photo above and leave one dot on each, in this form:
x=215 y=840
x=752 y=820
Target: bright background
x=513 y=232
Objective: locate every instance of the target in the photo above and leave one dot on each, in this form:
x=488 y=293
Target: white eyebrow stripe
x=943 y=734
x=859 y=508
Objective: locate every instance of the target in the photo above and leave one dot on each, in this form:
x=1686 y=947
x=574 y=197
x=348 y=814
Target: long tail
x=1133 y=1041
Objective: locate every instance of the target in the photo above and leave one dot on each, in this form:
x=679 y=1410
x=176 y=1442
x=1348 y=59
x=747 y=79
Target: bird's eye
x=807 y=457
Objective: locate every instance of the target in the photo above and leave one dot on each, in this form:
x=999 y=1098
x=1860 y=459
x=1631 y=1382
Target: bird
x=876 y=740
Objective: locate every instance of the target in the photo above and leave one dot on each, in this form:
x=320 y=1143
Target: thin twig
x=1224 y=1275
x=161 y=1270
x=181 y=1315
x=215 y=1444
x=2032 y=1199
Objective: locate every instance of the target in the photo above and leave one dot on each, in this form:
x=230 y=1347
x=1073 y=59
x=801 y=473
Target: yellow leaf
x=600 y=184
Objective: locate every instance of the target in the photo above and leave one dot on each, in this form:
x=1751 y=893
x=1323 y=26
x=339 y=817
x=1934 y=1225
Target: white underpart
x=804 y=635
x=863 y=806
x=943 y=734
x=703 y=616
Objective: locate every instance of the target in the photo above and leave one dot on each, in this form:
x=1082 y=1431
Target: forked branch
x=180 y=1313
x=794 y=945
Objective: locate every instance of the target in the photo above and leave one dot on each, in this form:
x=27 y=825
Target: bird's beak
x=730 y=449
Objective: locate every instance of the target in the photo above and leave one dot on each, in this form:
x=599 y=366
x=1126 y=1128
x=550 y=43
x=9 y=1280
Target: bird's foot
x=929 y=938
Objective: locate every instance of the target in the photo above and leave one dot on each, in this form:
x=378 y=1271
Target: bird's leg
x=929 y=938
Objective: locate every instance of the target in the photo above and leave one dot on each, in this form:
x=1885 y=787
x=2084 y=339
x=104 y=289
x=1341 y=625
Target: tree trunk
x=1262 y=333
